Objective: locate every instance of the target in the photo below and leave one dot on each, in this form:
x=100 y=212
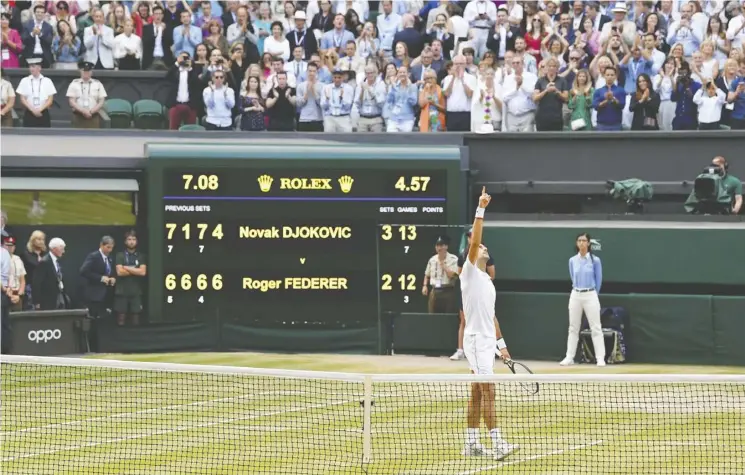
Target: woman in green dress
x=580 y=101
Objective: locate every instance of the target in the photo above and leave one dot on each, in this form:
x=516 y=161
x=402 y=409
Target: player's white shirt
x=479 y=297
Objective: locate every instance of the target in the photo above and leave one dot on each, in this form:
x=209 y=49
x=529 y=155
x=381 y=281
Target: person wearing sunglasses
x=219 y=100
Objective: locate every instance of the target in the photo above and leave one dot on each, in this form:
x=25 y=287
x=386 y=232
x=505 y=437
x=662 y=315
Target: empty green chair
x=120 y=112
x=191 y=127
x=148 y=114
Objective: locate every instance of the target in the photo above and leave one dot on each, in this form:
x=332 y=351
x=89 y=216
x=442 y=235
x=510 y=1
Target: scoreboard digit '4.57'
x=289 y=235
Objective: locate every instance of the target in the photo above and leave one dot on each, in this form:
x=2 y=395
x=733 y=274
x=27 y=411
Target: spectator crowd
x=396 y=65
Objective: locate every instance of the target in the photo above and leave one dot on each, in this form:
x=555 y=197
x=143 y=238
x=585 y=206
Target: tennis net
x=84 y=416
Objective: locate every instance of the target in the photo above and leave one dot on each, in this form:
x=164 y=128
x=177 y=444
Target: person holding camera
x=731 y=184
x=686 y=112
x=185 y=92
x=710 y=100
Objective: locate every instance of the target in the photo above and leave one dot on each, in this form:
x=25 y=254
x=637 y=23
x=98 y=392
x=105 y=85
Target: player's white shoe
x=504 y=449
x=601 y=363
x=567 y=361
x=458 y=355
x=474 y=450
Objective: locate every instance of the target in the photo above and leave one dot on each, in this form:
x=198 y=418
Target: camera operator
x=686 y=112
x=732 y=185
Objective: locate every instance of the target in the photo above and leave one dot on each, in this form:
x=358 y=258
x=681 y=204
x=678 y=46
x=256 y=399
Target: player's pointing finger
x=483 y=190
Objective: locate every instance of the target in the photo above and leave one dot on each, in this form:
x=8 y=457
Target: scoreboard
x=313 y=236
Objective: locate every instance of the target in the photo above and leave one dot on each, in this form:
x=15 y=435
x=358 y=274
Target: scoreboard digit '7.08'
x=280 y=235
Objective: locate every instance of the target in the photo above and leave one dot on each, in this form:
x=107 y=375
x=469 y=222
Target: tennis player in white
x=482 y=340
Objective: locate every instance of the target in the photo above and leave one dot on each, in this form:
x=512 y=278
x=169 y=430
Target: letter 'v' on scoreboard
x=289 y=233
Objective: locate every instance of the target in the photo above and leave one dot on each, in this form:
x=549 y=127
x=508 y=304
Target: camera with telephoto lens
x=709 y=195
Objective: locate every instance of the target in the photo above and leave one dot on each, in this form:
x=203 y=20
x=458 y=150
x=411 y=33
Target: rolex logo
x=346 y=183
x=265 y=183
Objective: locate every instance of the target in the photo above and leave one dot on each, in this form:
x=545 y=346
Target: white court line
x=123 y=415
x=533 y=457
x=175 y=429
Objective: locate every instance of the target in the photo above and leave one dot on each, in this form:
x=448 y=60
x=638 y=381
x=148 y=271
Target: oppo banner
x=48 y=333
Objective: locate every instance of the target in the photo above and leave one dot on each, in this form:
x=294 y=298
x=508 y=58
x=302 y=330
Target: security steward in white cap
x=37 y=95
x=441 y=275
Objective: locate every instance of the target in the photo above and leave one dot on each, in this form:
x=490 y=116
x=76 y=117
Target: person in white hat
x=36 y=93
x=620 y=25
x=299 y=36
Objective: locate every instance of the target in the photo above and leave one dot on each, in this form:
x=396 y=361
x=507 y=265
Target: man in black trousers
x=99 y=278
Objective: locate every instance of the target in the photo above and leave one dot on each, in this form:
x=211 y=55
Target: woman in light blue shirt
x=66 y=47
x=402 y=98
x=586 y=274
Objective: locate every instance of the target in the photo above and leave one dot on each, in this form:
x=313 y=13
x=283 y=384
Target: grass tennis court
x=69 y=420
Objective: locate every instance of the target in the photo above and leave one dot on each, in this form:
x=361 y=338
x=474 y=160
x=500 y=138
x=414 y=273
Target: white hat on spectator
x=300 y=15
x=620 y=8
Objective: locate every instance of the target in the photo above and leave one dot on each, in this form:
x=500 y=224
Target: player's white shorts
x=480 y=352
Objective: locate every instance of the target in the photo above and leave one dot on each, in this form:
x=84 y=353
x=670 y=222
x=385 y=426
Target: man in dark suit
x=410 y=36
x=301 y=36
x=229 y=14
x=99 y=277
x=592 y=11
x=502 y=32
x=157 y=40
x=37 y=37
x=48 y=287
x=185 y=101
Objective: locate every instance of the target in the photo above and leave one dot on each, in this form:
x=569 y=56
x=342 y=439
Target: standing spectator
x=48 y=285
x=156 y=43
x=37 y=96
x=37 y=37
x=15 y=12
x=186 y=37
x=410 y=36
x=389 y=24
x=66 y=47
x=650 y=52
x=528 y=60
x=723 y=82
x=252 y=112
x=86 y=97
x=277 y=66
x=336 y=103
x=288 y=17
x=684 y=32
x=230 y=14
x=663 y=84
x=277 y=45
x=481 y=17
x=336 y=38
x=32 y=256
x=172 y=14
x=297 y=66
x=502 y=37
x=518 y=98
x=141 y=16
x=128 y=48
x=242 y=29
x=116 y=19
x=609 y=101
x=99 y=43
x=205 y=17
x=736 y=29
x=534 y=38
x=185 y=93
x=352 y=22
x=551 y=92
x=309 y=93
x=709 y=100
x=8 y=100
x=580 y=101
x=280 y=103
x=263 y=25
x=7 y=301
x=131 y=270
x=459 y=87
x=645 y=104
x=99 y=277
x=432 y=104
x=215 y=39
x=619 y=26
x=17 y=276
x=12 y=45
x=219 y=101
x=487 y=107
x=299 y=36
x=736 y=96
x=686 y=114
x=323 y=21
x=370 y=97
x=402 y=98
x=368 y=44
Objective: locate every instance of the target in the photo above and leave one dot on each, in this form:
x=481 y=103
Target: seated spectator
x=12 y=46
x=609 y=102
x=368 y=43
x=141 y=16
x=335 y=39
x=402 y=99
x=686 y=114
x=710 y=101
x=7 y=101
x=205 y=18
x=280 y=104
x=66 y=47
x=308 y=102
x=736 y=96
x=116 y=18
x=551 y=92
x=186 y=37
x=128 y=48
x=580 y=101
x=37 y=96
x=277 y=45
x=352 y=62
x=185 y=94
x=86 y=97
x=252 y=106
x=215 y=39
x=156 y=43
x=242 y=29
x=99 y=43
x=645 y=104
x=336 y=103
x=37 y=37
x=432 y=104
x=219 y=101
x=518 y=98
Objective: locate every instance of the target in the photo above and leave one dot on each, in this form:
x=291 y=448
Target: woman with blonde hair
x=401 y=55
x=580 y=101
x=723 y=82
x=709 y=63
x=432 y=103
x=36 y=250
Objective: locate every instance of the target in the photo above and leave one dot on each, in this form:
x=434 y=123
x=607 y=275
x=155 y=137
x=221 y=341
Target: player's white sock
x=496 y=436
x=472 y=436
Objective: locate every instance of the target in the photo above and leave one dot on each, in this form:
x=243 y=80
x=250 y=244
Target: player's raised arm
x=478 y=224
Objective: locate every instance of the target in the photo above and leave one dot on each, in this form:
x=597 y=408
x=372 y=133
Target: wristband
x=501 y=345
x=480 y=212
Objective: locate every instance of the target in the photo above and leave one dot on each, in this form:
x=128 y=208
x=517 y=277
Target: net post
x=367 y=420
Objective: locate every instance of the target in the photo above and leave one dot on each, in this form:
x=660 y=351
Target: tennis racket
x=520 y=368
